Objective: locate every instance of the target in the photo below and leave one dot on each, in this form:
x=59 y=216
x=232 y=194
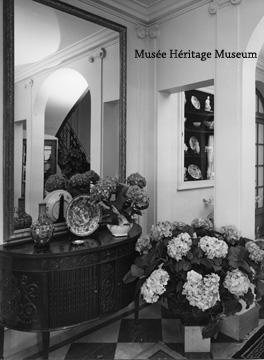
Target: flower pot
x=194 y=341
x=119 y=230
x=239 y=325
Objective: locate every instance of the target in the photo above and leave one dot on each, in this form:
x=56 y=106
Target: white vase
x=122 y=228
x=194 y=341
x=119 y=230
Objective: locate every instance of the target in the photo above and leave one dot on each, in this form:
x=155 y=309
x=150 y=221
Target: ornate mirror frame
x=8 y=103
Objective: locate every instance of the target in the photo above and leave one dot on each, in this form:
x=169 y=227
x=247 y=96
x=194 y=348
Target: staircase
x=72 y=157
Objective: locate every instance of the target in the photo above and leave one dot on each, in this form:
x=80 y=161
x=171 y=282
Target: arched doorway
x=259 y=179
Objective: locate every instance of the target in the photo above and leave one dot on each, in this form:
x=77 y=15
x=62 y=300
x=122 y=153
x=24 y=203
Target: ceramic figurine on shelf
x=207 y=106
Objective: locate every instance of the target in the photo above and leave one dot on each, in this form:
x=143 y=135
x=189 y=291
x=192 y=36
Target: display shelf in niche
x=198 y=136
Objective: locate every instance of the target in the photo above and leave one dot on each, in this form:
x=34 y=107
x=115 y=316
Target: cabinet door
x=23 y=300
x=125 y=292
x=73 y=296
x=107 y=286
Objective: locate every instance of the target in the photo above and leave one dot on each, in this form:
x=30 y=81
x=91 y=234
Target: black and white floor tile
x=127 y=339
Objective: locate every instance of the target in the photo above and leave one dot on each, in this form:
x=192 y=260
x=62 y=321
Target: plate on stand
x=82 y=216
x=52 y=201
x=194 y=171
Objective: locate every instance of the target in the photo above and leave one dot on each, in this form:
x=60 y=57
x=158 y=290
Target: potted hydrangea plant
x=120 y=202
x=204 y=275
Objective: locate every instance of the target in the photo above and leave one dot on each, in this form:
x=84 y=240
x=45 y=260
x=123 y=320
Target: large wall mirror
x=64 y=101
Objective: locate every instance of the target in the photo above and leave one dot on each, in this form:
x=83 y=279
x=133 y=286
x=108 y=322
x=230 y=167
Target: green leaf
x=211 y=330
x=186 y=266
x=244 y=265
x=248 y=298
x=207 y=263
x=136 y=271
x=231 y=306
x=128 y=278
x=236 y=256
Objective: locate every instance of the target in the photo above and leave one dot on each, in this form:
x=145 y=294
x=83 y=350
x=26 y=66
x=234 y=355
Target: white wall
x=174 y=75
x=230 y=29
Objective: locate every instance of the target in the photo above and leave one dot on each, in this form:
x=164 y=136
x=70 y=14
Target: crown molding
x=83 y=47
x=151 y=32
x=153 y=2
x=215 y=4
x=136 y=12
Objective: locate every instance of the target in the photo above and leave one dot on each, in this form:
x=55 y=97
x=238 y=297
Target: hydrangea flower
x=179 y=246
x=143 y=244
x=213 y=247
x=138 y=197
x=255 y=252
x=162 y=230
x=155 y=285
x=202 y=292
x=136 y=179
x=199 y=223
x=179 y=225
x=231 y=234
x=237 y=283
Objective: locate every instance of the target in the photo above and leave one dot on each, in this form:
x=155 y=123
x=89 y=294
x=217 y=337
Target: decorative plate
x=52 y=201
x=195 y=102
x=82 y=216
x=194 y=144
x=194 y=171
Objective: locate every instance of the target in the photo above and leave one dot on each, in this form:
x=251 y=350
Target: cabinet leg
x=45 y=344
x=2 y=337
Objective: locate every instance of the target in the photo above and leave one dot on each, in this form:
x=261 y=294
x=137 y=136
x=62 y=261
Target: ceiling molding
x=147 y=3
x=145 y=12
x=83 y=47
x=215 y=4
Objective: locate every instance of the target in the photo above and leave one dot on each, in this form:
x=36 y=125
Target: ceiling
x=146 y=11
x=41 y=31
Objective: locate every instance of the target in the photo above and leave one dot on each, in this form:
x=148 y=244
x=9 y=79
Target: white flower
x=231 y=233
x=213 y=247
x=155 y=285
x=143 y=244
x=179 y=246
x=237 y=283
x=202 y=223
x=255 y=252
x=202 y=292
x=162 y=230
x=194 y=277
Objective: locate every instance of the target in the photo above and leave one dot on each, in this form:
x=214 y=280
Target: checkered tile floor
x=125 y=339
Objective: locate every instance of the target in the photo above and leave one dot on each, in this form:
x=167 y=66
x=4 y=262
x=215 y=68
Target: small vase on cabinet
x=42 y=229
x=122 y=228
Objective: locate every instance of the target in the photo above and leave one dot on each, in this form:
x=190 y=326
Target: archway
x=62 y=87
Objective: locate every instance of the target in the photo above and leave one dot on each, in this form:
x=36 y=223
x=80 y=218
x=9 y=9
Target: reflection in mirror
x=67 y=100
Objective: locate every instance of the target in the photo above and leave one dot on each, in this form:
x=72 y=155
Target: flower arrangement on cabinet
x=203 y=274
x=120 y=202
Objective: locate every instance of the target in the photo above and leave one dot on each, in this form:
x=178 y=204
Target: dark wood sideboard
x=64 y=285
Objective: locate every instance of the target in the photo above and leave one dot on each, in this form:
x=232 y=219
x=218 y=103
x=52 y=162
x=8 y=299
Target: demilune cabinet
x=198 y=136
x=64 y=285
